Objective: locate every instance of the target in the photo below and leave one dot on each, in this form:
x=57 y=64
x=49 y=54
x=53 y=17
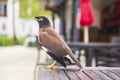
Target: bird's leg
x=51 y=66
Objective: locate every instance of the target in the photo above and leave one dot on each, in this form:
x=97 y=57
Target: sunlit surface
x=17 y=63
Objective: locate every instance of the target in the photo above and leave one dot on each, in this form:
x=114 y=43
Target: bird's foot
x=50 y=67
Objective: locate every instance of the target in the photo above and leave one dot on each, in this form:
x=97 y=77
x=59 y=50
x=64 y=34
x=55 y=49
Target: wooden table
x=74 y=73
x=90 y=47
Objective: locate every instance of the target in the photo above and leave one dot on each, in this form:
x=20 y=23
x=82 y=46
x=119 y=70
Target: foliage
x=31 y=8
x=6 y=41
x=21 y=41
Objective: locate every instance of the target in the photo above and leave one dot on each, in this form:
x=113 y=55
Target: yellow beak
x=34 y=18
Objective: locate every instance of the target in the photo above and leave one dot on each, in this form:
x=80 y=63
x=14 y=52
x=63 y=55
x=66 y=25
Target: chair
x=108 y=56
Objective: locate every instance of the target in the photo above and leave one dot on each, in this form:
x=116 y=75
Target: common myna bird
x=56 y=46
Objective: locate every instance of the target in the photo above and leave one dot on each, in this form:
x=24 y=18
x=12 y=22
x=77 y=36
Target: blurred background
x=18 y=33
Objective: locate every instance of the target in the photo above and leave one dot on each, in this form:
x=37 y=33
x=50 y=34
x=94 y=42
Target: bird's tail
x=75 y=59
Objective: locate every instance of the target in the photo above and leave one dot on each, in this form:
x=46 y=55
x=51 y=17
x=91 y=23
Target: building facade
x=11 y=23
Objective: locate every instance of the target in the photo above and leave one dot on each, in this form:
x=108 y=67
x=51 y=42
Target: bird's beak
x=34 y=18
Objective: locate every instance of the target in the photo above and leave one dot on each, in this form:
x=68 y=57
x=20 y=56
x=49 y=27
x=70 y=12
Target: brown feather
x=53 y=42
x=50 y=39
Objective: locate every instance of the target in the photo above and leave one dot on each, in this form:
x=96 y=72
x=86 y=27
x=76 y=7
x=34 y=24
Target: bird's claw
x=50 y=67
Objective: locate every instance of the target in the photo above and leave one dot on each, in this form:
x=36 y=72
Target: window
x=3 y=8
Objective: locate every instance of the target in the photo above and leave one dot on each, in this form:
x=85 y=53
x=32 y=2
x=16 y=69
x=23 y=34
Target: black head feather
x=42 y=21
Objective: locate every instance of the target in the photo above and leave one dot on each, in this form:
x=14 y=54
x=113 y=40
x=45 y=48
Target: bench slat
x=82 y=76
x=117 y=72
x=91 y=75
x=44 y=74
x=94 y=76
x=103 y=76
x=110 y=74
x=71 y=75
x=60 y=75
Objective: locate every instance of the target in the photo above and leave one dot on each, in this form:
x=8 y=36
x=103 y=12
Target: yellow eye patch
x=41 y=19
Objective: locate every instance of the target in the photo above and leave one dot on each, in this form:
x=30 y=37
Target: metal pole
x=14 y=36
x=75 y=31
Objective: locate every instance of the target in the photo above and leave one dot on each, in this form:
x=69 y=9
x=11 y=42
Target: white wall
x=9 y=18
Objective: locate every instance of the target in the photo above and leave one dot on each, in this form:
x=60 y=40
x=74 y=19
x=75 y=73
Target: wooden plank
x=103 y=68
x=117 y=72
x=95 y=76
x=71 y=75
x=51 y=74
x=111 y=74
x=91 y=75
x=59 y=75
x=44 y=74
x=102 y=75
x=82 y=76
x=74 y=73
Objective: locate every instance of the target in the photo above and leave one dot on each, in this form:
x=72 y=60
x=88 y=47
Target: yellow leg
x=51 y=66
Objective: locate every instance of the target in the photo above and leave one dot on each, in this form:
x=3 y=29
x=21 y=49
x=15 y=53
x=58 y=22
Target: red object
x=86 y=13
x=4 y=27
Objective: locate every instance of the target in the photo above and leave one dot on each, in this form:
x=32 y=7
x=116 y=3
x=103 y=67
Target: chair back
x=115 y=39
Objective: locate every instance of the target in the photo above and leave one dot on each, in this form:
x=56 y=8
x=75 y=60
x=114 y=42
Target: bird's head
x=42 y=21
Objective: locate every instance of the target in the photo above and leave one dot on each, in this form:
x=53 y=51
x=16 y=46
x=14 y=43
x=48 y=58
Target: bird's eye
x=41 y=19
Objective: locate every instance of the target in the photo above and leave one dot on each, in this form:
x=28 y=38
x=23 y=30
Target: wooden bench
x=74 y=73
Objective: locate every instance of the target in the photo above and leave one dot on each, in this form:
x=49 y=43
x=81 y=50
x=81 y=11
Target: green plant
x=31 y=8
x=21 y=41
x=6 y=41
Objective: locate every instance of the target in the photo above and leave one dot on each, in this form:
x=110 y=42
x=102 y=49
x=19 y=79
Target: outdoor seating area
x=69 y=33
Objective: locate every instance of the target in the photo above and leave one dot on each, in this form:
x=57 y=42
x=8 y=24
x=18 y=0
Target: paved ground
x=18 y=62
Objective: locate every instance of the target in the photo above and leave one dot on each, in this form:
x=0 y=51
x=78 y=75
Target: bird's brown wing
x=53 y=42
